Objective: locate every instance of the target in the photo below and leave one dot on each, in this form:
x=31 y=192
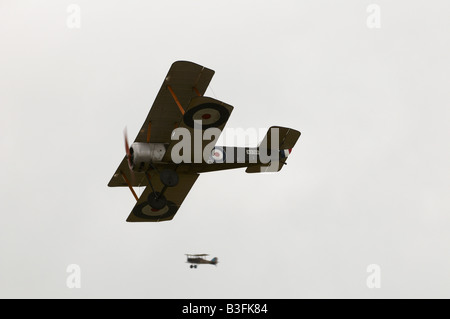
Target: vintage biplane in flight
x=197 y=259
x=180 y=104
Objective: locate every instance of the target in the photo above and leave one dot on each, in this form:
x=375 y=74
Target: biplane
x=197 y=259
x=179 y=106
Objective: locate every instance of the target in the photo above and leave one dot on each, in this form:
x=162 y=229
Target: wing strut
x=196 y=91
x=129 y=185
x=149 y=131
x=176 y=99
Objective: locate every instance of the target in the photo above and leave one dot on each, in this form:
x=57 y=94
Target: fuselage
x=145 y=156
x=198 y=260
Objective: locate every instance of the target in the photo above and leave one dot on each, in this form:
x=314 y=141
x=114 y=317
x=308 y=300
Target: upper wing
x=197 y=255
x=175 y=196
x=208 y=112
x=187 y=80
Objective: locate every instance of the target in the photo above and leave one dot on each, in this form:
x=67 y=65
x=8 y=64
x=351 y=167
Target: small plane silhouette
x=197 y=259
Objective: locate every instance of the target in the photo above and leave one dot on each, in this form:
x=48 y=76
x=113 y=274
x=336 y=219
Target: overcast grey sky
x=367 y=183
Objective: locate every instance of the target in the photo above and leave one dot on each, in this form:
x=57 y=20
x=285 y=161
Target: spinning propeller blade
x=127 y=147
x=129 y=155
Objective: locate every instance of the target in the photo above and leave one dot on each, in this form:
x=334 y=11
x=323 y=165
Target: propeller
x=129 y=155
x=127 y=148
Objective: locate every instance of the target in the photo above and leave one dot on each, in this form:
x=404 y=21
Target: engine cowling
x=143 y=154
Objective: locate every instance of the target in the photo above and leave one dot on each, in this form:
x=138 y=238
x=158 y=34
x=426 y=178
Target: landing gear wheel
x=169 y=177
x=156 y=200
x=195 y=266
x=191 y=266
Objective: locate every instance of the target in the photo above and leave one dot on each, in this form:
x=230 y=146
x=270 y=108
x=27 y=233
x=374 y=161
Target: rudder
x=283 y=144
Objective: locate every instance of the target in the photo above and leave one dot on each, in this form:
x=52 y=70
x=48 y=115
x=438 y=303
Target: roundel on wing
x=144 y=211
x=209 y=114
x=149 y=211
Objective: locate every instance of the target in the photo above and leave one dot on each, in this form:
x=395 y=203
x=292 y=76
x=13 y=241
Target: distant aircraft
x=180 y=106
x=200 y=259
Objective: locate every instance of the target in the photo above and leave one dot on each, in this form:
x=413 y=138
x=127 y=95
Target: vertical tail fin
x=280 y=140
x=214 y=261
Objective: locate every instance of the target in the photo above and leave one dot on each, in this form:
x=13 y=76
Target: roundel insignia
x=218 y=155
x=144 y=211
x=210 y=115
x=149 y=211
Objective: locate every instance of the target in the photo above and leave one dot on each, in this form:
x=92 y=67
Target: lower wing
x=142 y=212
